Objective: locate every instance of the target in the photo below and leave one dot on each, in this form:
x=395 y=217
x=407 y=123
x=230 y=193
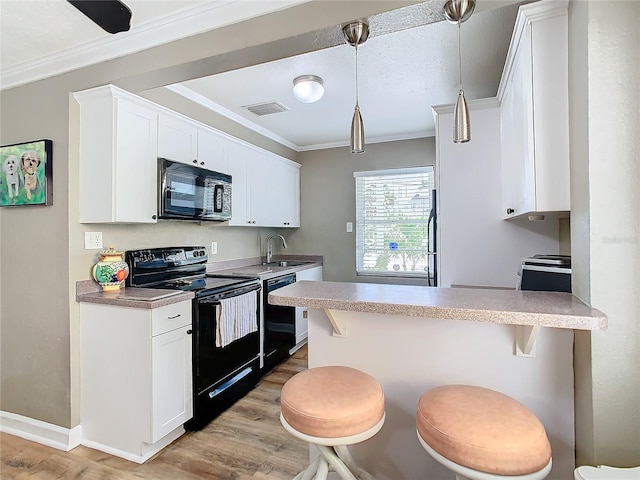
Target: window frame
x=425 y=169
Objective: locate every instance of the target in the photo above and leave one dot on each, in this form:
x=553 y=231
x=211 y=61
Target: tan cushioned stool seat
x=483 y=430
x=331 y=402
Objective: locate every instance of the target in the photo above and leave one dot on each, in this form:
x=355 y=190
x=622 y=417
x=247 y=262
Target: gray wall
x=42 y=254
x=605 y=226
x=329 y=195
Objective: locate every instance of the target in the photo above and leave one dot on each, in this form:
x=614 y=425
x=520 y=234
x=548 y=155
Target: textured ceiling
x=402 y=73
x=408 y=64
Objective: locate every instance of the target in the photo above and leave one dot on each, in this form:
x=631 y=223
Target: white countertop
x=514 y=307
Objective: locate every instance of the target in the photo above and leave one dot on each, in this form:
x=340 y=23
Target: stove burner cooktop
x=181 y=268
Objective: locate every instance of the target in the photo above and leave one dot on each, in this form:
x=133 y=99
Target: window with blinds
x=392 y=221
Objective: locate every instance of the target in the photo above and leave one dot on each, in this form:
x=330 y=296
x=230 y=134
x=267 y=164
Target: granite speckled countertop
x=88 y=291
x=514 y=307
x=254 y=267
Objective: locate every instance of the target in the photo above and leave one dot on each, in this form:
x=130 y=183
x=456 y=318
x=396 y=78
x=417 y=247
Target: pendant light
x=457 y=11
x=356 y=33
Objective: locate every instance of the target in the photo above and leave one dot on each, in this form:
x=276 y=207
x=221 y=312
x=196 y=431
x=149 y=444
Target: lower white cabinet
x=302 y=322
x=136 y=377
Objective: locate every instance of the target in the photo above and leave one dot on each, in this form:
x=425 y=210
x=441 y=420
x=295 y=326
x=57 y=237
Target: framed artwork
x=27 y=174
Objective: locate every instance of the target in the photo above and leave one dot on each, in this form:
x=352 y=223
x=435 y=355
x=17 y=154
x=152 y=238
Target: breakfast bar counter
x=513 y=307
x=412 y=339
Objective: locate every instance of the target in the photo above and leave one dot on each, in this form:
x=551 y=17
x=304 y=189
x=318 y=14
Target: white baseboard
x=40 y=432
x=147 y=450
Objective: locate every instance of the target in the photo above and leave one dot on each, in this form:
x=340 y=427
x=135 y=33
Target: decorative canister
x=111 y=270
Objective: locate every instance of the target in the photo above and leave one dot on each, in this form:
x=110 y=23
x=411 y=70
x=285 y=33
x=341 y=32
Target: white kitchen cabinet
x=213 y=151
x=302 y=322
x=258 y=186
x=177 y=139
x=118 y=157
x=534 y=113
x=185 y=141
x=265 y=189
x=136 y=377
x=284 y=196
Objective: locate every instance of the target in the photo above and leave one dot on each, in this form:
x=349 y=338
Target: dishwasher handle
x=279 y=282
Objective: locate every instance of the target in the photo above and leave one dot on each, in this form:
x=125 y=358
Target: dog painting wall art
x=27 y=174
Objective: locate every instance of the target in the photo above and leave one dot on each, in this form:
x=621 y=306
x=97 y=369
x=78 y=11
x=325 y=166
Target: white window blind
x=392 y=214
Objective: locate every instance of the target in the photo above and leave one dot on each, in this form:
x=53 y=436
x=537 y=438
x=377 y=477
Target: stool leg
x=323 y=470
x=334 y=461
x=310 y=471
x=345 y=455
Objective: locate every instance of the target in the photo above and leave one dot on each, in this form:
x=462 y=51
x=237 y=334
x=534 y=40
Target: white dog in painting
x=10 y=168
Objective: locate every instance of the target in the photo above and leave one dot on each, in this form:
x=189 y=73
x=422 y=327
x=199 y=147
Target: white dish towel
x=236 y=318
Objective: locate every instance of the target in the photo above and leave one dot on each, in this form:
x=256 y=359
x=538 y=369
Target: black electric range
x=221 y=374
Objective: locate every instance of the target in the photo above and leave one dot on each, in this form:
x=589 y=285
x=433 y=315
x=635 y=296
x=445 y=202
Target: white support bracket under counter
x=525 y=341
x=338 y=319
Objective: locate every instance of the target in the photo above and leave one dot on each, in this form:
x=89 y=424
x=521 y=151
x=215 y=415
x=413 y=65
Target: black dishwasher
x=279 y=324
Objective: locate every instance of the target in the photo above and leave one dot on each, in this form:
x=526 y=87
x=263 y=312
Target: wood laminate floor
x=245 y=442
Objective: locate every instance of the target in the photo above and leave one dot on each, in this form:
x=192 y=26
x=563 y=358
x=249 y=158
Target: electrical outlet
x=349 y=227
x=92 y=240
x=214 y=248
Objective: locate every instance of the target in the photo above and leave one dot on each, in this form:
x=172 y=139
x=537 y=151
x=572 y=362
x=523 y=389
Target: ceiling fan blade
x=112 y=16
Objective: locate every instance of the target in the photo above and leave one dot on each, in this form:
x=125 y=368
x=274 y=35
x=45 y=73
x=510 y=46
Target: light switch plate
x=349 y=227
x=92 y=240
x=214 y=248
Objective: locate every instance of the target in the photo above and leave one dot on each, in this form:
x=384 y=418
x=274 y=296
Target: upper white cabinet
x=184 y=141
x=535 y=113
x=118 y=157
x=269 y=190
x=284 y=197
x=121 y=138
x=177 y=139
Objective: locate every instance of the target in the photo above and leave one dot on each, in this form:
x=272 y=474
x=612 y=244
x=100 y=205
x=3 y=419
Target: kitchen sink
x=287 y=263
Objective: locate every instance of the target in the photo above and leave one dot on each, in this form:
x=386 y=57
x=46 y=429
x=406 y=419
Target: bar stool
x=480 y=434
x=331 y=408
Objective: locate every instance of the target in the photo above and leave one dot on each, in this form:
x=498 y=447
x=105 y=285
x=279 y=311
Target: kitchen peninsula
x=412 y=339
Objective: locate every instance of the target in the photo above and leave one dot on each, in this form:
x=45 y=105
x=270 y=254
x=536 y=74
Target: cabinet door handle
x=202 y=163
x=175 y=316
x=195 y=161
x=510 y=211
x=189 y=332
x=154 y=217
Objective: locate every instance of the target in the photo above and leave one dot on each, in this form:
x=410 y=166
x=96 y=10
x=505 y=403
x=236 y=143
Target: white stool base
x=334 y=454
x=465 y=473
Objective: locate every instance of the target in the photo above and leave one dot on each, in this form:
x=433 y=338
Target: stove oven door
x=221 y=375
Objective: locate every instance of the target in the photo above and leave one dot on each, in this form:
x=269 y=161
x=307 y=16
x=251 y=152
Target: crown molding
x=225 y=112
x=183 y=24
x=528 y=14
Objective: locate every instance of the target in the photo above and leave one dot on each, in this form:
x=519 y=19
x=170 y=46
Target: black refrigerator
x=432 y=242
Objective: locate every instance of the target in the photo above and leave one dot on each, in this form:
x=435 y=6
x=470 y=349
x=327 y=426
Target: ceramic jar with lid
x=111 y=270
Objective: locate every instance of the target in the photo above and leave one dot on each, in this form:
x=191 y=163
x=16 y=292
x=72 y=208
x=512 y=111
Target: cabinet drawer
x=170 y=317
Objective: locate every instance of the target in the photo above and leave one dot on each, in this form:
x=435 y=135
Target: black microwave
x=188 y=192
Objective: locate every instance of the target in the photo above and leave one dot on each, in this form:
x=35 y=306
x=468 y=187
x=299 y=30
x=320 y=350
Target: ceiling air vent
x=266 y=108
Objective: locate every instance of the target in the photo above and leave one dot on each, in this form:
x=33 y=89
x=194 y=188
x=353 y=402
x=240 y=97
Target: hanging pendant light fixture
x=356 y=33
x=457 y=11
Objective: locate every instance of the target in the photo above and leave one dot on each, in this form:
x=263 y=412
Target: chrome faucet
x=269 y=247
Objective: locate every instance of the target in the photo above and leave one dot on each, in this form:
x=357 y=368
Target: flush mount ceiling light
x=458 y=11
x=356 y=33
x=308 y=88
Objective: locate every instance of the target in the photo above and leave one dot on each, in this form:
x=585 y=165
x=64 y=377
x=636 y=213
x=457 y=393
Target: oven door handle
x=215 y=300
